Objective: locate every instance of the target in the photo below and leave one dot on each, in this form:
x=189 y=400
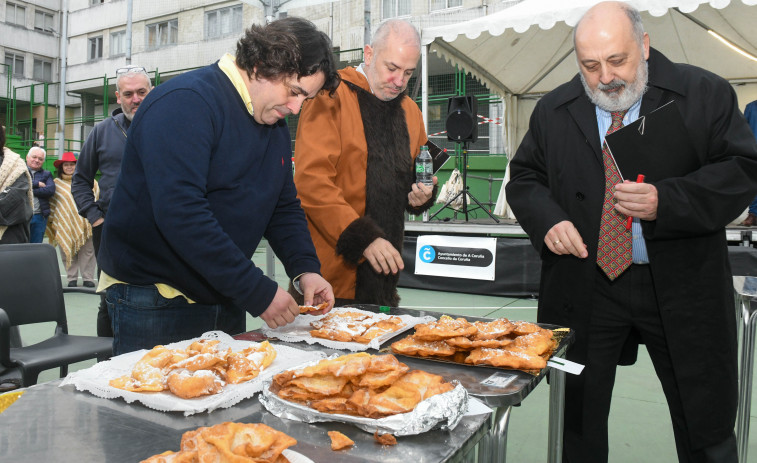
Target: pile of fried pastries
x=200 y=369
x=229 y=442
x=500 y=343
x=360 y=384
x=349 y=326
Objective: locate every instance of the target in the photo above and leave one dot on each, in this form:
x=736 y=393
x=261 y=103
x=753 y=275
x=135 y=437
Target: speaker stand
x=464 y=192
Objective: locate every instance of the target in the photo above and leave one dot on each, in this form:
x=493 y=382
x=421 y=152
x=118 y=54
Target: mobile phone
x=439 y=156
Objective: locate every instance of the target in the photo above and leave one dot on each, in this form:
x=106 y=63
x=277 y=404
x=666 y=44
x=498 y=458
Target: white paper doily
x=299 y=330
x=96 y=378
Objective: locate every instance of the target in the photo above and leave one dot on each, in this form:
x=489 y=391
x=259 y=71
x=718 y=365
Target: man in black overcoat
x=677 y=295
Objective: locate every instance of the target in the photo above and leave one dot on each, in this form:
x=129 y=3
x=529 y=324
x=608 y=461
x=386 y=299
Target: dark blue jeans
x=37 y=228
x=143 y=319
x=753 y=206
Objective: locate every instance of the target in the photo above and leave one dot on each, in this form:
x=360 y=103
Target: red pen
x=629 y=219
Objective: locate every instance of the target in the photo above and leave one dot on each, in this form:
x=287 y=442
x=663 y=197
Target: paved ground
x=640 y=429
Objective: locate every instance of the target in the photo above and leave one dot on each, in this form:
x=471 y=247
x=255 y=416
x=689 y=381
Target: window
x=43 y=21
x=444 y=4
x=223 y=22
x=96 y=2
x=43 y=70
x=16 y=61
x=394 y=8
x=162 y=34
x=15 y=14
x=118 y=43
x=95 y=48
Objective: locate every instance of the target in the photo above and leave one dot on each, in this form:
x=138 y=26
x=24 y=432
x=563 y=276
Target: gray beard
x=625 y=98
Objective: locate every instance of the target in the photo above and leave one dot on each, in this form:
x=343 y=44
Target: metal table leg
x=556 y=412
x=746 y=367
x=494 y=446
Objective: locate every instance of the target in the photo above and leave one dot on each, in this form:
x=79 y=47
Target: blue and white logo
x=427 y=254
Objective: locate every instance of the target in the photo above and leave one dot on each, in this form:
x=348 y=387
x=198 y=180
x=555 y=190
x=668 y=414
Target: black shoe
x=72 y=284
x=89 y=284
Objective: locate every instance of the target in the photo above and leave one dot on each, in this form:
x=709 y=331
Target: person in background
x=43 y=188
x=16 y=205
x=355 y=177
x=205 y=175
x=102 y=151
x=667 y=281
x=67 y=229
x=750 y=113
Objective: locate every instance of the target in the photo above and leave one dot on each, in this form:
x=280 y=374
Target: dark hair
x=286 y=47
x=2 y=136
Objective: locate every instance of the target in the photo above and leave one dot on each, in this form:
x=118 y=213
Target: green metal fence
x=31 y=115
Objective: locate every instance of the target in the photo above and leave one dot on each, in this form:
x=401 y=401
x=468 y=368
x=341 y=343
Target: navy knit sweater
x=200 y=184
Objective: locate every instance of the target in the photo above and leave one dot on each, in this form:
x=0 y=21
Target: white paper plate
x=296 y=457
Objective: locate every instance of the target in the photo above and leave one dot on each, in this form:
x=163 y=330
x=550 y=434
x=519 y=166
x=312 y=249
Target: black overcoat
x=557 y=174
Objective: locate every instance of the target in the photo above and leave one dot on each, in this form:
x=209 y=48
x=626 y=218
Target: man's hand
x=316 y=290
x=383 y=257
x=98 y=222
x=637 y=200
x=41 y=184
x=420 y=194
x=282 y=310
x=563 y=238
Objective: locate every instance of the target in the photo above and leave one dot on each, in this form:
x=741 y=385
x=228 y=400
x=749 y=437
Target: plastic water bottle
x=424 y=167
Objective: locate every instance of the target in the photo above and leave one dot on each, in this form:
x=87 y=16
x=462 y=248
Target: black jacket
x=43 y=194
x=102 y=151
x=557 y=175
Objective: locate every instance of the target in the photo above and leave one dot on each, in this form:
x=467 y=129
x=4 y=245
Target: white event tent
x=526 y=50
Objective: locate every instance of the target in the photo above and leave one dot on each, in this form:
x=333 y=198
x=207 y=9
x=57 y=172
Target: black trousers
x=620 y=306
x=104 y=326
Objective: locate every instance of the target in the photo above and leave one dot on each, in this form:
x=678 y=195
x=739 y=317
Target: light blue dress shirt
x=604 y=119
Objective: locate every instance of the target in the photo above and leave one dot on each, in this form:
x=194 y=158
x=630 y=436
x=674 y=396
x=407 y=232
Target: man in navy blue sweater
x=206 y=174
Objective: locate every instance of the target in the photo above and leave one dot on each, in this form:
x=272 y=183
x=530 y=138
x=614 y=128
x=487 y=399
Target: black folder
x=439 y=156
x=656 y=145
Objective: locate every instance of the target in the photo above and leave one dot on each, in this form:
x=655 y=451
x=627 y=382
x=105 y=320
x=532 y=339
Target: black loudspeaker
x=462 y=123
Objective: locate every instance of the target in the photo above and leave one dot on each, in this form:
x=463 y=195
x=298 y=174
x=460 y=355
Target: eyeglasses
x=130 y=70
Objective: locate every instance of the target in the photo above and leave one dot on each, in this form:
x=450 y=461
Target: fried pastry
x=147 y=374
x=517 y=360
x=385 y=439
x=323 y=385
x=189 y=384
x=313 y=308
x=444 y=328
x=380 y=328
x=339 y=440
x=466 y=344
x=521 y=328
x=248 y=363
x=406 y=393
x=203 y=346
x=237 y=442
x=536 y=343
x=346 y=365
x=411 y=345
x=334 y=405
x=494 y=329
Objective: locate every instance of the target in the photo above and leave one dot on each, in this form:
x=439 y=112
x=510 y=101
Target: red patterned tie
x=614 y=253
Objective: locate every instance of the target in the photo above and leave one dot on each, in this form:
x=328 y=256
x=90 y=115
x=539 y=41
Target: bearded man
x=670 y=286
